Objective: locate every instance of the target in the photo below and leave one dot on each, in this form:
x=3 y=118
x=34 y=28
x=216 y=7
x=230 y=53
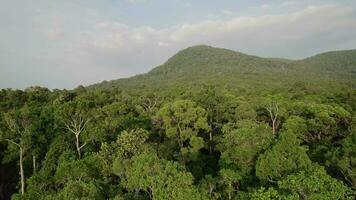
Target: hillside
x=204 y=64
x=208 y=124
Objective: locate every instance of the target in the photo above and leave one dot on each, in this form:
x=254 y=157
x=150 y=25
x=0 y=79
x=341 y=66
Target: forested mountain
x=204 y=64
x=209 y=123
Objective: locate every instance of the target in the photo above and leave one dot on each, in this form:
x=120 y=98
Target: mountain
x=203 y=64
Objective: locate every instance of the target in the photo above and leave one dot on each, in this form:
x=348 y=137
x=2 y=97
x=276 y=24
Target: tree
x=312 y=183
x=229 y=179
x=76 y=125
x=219 y=107
x=285 y=157
x=241 y=145
x=75 y=117
x=79 y=190
x=222 y=108
x=209 y=185
x=149 y=104
x=44 y=181
x=297 y=125
x=107 y=122
x=271 y=194
x=315 y=183
x=275 y=111
x=324 y=121
x=127 y=145
x=159 y=178
x=18 y=132
x=183 y=120
x=71 y=169
x=76 y=179
x=343 y=159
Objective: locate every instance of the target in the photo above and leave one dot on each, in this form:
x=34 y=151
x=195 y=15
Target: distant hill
x=203 y=64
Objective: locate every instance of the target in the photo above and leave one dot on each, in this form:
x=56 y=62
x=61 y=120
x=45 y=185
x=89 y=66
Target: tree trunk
x=76 y=126
x=211 y=141
x=230 y=188
x=273 y=112
x=274 y=127
x=211 y=189
x=22 y=173
x=77 y=145
x=34 y=163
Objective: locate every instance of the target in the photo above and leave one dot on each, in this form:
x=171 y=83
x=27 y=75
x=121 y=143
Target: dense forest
x=208 y=124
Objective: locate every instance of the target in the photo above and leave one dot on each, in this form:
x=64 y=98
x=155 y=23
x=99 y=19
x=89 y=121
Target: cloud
x=66 y=49
x=187 y=4
x=163 y=44
x=53 y=34
x=241 y=33
x=137 y=1
x=297 y=25
x=288 y=3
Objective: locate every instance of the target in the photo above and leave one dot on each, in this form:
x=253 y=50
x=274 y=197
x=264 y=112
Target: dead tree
x=273 y=111
x=14 y=127
x=150 y=104
x=22 y=174
x=76 y=125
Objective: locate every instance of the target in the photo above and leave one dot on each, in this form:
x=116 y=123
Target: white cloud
x=89 y=48
x=163 y=44
x=117 y=50
x=244 y=33
x=288 y=3
x=138 y=1
x=266 y=6
x=53 y=34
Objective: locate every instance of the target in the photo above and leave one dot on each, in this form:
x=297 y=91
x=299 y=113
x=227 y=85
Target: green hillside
x=204 y=64
x=208 y=124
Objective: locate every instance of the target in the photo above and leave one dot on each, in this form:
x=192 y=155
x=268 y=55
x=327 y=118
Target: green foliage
x=71 y=169
x=344 y=159
x=128 y=144
x=207 y=124
x=79 y=190
x=229 y=178
x=202 y=64
x=271 y=194
x=315 y=183
x=182 y=120
x=312 y=183
x=297 y=125
x=209 y=185
x=240 y=147
x=159 y=178
x=284 y=157
x=323 y=121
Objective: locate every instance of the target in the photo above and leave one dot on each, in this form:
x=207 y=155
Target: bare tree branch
x=17 y=144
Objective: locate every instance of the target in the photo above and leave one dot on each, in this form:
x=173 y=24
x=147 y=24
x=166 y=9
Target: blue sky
x=65 y=43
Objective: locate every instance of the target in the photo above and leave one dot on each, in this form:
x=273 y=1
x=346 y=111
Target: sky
x=66 y=43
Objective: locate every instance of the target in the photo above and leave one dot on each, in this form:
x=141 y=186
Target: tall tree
x=275 y=111
x=230 y=180
x=284 y=157
x=18 y=132
x=315 y=183
x=183 y=120
x=159 y=178
x=74 y=116
x=241 y=146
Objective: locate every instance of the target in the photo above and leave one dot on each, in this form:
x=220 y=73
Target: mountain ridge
x=194 y=64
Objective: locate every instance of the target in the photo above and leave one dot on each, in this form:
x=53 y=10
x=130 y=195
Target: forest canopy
x=208 y=124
